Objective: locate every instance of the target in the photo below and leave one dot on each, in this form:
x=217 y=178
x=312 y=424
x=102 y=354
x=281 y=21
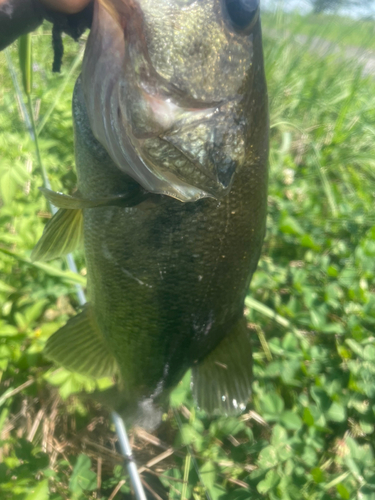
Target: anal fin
x=222 y=380
x=80 y=346
x=62 y=234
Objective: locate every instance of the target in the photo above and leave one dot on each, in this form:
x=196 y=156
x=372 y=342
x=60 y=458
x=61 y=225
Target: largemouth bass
x=171 y=136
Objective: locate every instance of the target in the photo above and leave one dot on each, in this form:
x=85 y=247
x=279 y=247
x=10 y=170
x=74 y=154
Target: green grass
x=309 y=434
x=338 y=29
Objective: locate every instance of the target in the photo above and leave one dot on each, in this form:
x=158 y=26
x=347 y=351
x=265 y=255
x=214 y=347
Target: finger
x=18 y=17
x=66 y=6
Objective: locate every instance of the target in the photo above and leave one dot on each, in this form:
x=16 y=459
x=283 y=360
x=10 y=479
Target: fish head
x=172 y=89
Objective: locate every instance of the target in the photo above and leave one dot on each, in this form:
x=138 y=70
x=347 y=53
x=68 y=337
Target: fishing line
x=117 y=420
x=30 y=125
x=127 y=452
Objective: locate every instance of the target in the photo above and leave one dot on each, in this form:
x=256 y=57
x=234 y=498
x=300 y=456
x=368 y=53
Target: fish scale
x=167 y=278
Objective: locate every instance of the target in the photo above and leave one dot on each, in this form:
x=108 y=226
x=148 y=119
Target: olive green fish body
x=167 y=277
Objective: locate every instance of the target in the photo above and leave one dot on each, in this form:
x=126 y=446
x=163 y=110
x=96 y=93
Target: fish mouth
x=167 y=140
x=194 y=144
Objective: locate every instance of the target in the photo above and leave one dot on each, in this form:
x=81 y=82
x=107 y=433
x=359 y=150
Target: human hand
x=65 y=6
x=18 y=17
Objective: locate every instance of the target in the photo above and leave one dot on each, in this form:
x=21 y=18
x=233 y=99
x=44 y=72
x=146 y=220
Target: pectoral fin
x=61 y=200
x=222 y=381
x=80 y=346
x=132 y=198
x=62 y=234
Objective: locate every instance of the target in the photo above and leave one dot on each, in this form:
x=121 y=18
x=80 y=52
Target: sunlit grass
x=337 y=29
x=311 y=306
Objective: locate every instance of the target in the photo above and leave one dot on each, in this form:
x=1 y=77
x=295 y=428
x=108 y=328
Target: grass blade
x=67 y=276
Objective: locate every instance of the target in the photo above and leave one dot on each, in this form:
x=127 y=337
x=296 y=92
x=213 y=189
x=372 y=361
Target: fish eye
x=242 y=13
